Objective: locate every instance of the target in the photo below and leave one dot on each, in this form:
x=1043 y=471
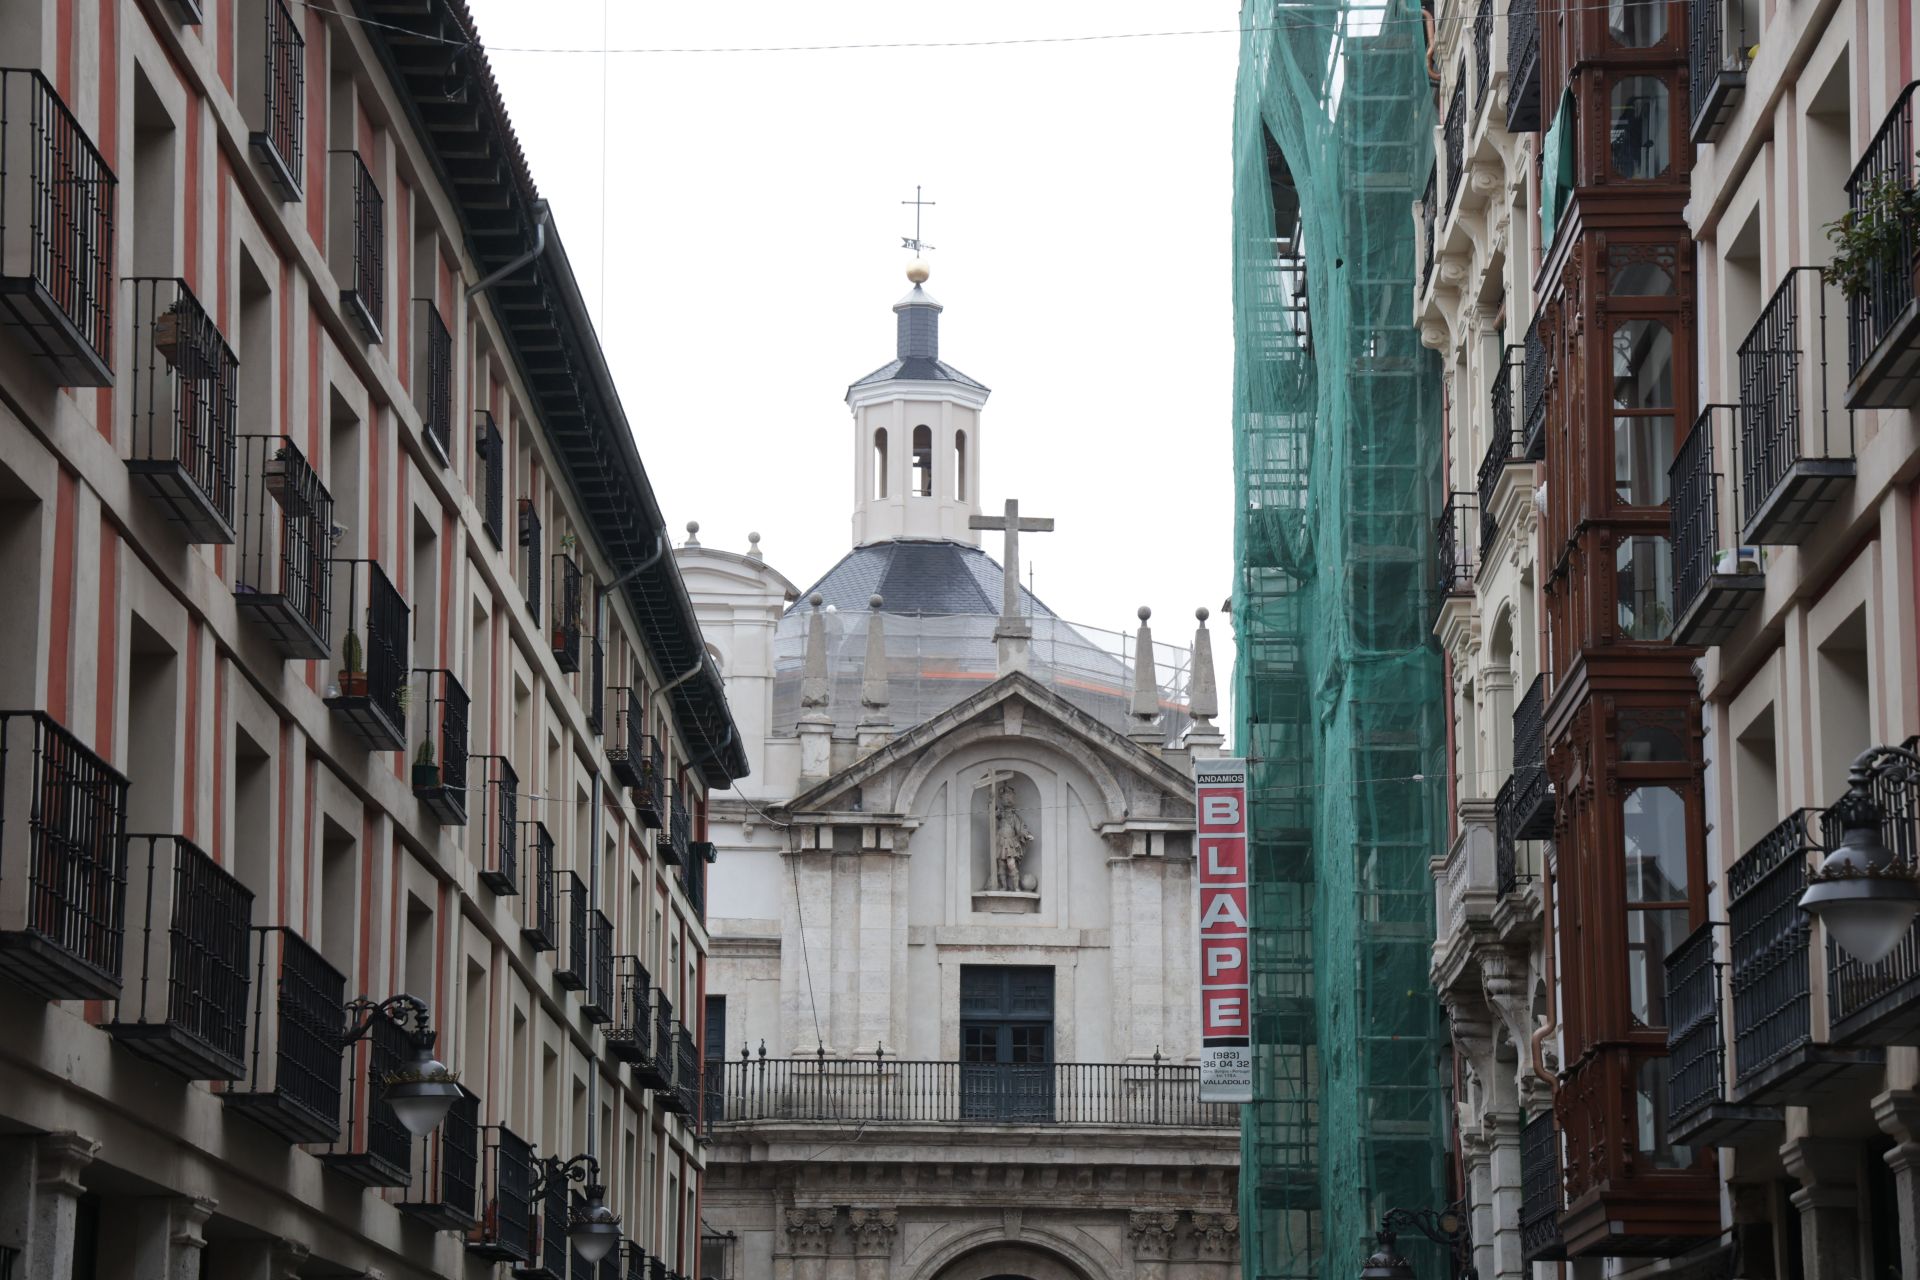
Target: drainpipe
x=539 y=247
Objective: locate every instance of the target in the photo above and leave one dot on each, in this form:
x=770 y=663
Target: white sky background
x=752 y=255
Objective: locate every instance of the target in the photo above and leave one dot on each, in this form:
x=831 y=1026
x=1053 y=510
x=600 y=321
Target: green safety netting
x=1340 y=709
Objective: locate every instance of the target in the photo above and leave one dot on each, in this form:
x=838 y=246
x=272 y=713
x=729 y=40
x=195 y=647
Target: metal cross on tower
x=914 y=242
x=1013 y=525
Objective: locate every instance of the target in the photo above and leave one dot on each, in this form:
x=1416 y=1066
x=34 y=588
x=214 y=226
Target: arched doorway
x=1011 y=1262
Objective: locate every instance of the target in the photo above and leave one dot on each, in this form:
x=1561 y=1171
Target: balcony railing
x=1523 y=66
x=673 y=850
x=501 y=869
x=184 y=1005
x=599 y=1004
x=694 y=876
x=376 y=1150
x=530 y=541
x=566 y=612
x=597 y=693
x=292 y=1085
x=1427 y=211
x=358 y=223
x=1453 y=556
x=1532 y=792
x=1541 y=1196
x=366 y=693
x=441 y=780
x=1883 y=322
x=1455 y=137
x=446 y=1172
x=656 y=1070
x=505 y=1230
x=1506 y=845
x=284 y=576
x=684 y=1097
x=433 y=377
x=879 y=1090
x=274 y=77
x=63 y=861
x=56 y=233
x=1482 y=53
x=1533 y=393
x=1796 y=437
x=183 y=388
x=630 y=1034
x=491 y=447
x=1696 y=1039
x=1716 y=583
x=1717 y=62
x=1503 y=451
x=1879 y=1004
x=550 y=1259
x=572 y=963
x=539 y=930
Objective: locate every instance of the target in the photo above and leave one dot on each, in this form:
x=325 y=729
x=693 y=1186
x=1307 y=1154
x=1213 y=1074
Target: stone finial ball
x=1144 y=613
x=1201 y=613
x=816 y=599
x=918 y=271
x=753 y=539
x=693 y=526
x=874 y=601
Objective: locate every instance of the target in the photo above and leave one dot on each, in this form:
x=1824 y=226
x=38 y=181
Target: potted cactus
x=352 y=674
x=426 y=772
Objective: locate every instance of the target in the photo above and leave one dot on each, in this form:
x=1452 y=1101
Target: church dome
x=921 y=576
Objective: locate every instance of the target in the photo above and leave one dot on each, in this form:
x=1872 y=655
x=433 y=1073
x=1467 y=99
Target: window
x=1643 y=585
x=959 y=466
x=923 y=462
x=1641 y=143
x=880 y=463
x=1644 y=271
x=1638 y=24
x=1642 y=412
x=1654 y=832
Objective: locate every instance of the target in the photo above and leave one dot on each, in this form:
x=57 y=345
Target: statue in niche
x=1004 y=844
x=1010 y=840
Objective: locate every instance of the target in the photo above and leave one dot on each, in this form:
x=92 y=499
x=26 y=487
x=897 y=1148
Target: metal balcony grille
x=376 y=1149
x=572 y=963
x=1482 y=53
x=1453 y=557
x=635 y=1259
x=673 y=850
x=1883 y=325
x=365 y=299
x=630 y=1035
x=539 y=931
x=656 y=1072
x=502 y=871
x=56 y=233
x=566 y=612
x=1506 y=849
x=1879 y=1003
x=1541 y=1197
x=694 y=877
x=530 y=540
x=1714 y=585
x=626 y=745
x=292 y=1085
x=1456 y=139
x=368 y=701
x=1532 y=792
x=1796 y=438
x=446 y=1173
x=599 y=1005
x=505 y=1231
x=1716 y=65
x=1771 y=980
x=185 y=1004
x=1426 y=231
x=491 y=447
x=597 y=691
x=63 y=861
x=436 y=359
x=1502 y=450
x=1696 y=1045
x=1533 y=394
x=686 y=1073
x=280 y=145
x=183 y=397
x=441 y=783
x=284 y=577
x=903 y=1091
x=552 y=1258
x=1523 y=66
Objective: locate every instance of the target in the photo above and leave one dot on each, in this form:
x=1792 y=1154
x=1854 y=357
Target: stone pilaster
x=1898 y=1113
x=59 y=1160
x=1502 y=1130
x=1216 y=1238
x=1152 y=1232
x=872 y=1232
x=809 y=1233
x=1828 y=1201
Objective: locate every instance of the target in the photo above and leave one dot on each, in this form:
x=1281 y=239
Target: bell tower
x=916 y=434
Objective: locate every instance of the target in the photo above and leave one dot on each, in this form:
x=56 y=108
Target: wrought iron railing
x=657 y=1072
x=599 y=1006
x=1453 y=557
x=63 y=822
x=440 y=779
x=686 y=1072
x=1530 y=782
x=1717 y=62
x=679 y=834
x=491 y=447
x=365 y=217
x=1455 y=135
x=574 y=960
x=1873 y=316
x=1482 y=53
x=446 y=1172
x=626 y=744
x=597 y=692
x=1859 y=996
x=56 y=231
x=530 y=540
x=1696 y=1040
x=501 y=870
x=435 y=370
x=283 y=577
x=376 y=1149
x=539 y=930
x=185 y=1001
x=183 y=399
x=1541 y=1196
x=1533 y=393
x=1523 y=66
x=1789 y=399
x=367 y=691
x=693 y=877
x=1770 y=974
x=896 y=1090
x=1426 y=230
x=550 y=1261
x=634 y=1259
x=566 y=612
x=281 y=144
x=1506 y=844
x=292 y=1084
x=630 y=1034
x=505 y=1229
x=1695 y=513
x=1502 y=449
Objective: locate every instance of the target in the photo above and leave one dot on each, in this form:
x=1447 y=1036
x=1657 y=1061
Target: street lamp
x=594 y=1229
x=421 y=1091
x=1863 y=892
x=1447 y=1227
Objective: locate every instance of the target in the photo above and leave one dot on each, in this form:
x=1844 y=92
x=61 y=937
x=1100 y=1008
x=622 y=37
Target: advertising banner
x=1220 y=856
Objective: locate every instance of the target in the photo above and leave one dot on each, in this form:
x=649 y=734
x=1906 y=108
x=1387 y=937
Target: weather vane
x=914 y=242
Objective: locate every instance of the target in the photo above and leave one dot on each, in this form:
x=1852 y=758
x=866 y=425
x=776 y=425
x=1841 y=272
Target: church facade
x=952 y=1000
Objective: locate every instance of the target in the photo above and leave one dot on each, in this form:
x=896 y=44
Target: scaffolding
x=1339 y=699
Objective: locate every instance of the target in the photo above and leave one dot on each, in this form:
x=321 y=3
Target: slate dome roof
x=919 y=576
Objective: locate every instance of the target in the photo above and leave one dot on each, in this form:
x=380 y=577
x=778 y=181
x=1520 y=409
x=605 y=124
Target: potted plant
x=353 y=675
x=1879 y=235
x=426 y=773
x=275 y=474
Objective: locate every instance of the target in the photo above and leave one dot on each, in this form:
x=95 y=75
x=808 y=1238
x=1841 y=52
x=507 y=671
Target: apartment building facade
x=357 y=726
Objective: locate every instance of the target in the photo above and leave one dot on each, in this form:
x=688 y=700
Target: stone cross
x=1013 y=525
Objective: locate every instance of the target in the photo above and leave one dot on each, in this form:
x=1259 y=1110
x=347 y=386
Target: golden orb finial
x=918 y=271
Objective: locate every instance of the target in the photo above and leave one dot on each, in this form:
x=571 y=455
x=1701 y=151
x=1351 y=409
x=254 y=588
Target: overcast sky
x=740 y=244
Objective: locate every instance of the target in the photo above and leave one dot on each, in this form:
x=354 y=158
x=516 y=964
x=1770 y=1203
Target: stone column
x=59 y=1159
x=872 y=1231
x=1476 y=1155
x=1217 y=1238
x=158 y=1238
x=809 y=1231
x=185 y=1239
x=1502 y=1130
x=1828 y=1201
x=1898 y=1112
x=1151 y=1231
